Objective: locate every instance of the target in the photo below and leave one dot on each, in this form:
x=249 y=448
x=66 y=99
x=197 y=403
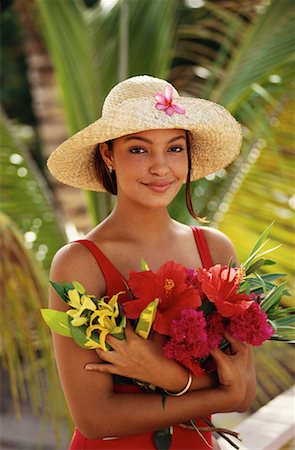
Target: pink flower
x=188 y=339
x=165 y=102
x=220 y=284
x=251 y=326
x=214 y=329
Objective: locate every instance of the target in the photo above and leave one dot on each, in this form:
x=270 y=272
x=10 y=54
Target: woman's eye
x=176 y=149
x=137 y=150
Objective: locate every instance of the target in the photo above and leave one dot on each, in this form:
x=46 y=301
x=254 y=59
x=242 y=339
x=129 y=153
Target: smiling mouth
x=159 y=187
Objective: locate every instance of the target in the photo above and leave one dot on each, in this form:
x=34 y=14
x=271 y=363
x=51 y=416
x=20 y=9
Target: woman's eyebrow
x=140 y=138
x=181 y=136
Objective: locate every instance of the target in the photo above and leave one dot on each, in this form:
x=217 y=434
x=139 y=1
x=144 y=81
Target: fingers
x=129 y=332
x=236 y=346
x=116 y=343
x=101 y=367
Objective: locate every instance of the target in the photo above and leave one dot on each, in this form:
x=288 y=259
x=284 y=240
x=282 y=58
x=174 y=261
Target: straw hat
x=145 y=103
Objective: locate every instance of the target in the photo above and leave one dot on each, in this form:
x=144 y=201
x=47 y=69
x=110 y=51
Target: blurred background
x=60 y=58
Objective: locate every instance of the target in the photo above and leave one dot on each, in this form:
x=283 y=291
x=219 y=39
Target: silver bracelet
x=185 y=389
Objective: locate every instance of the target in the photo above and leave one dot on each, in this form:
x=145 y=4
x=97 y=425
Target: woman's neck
x=134 y=223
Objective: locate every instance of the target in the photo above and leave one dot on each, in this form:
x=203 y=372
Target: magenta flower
x=251 y=326
x=214 y=329
x=188 y=339
x=165 y=102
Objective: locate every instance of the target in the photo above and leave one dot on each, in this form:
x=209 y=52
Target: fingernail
x=87 y=367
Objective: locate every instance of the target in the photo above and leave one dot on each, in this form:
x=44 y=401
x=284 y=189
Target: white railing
x=269 y=428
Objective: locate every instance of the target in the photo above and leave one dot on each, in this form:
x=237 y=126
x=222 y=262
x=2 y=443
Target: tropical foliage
x=239 y=54
x=28 y=201
x=248 y=70
x=25 y=351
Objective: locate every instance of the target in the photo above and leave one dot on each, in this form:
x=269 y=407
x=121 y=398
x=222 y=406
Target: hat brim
x=216 y=138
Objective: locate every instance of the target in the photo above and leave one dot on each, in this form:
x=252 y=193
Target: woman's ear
x=106 y=154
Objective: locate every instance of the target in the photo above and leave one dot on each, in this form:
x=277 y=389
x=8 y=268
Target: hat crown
x=136 y=87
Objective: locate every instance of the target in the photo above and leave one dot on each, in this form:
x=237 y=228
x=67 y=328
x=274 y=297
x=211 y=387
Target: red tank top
x=115 y=281
x=182 y=438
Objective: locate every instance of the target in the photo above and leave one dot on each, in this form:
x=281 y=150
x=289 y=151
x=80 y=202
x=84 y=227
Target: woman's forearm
x=132 y=413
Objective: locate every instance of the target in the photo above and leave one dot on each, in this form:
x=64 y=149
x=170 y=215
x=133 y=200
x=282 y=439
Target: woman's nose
x=159 y=166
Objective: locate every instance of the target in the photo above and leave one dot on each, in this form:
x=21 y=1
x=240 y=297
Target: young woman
x=148 y=142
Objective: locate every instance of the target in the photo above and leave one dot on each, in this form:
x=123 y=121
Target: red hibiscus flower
x=220 y=284
x=169 y=285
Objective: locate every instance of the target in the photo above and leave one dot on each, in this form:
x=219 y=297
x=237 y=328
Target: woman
x=147 y=143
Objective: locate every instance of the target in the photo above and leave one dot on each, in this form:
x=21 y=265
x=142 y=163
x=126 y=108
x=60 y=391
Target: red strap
x=203 y=247
x=115 y=282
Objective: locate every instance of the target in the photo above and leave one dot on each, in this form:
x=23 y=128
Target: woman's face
x=150 y=166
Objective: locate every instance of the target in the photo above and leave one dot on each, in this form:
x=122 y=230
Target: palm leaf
x=71 y=48
x=26 y=353
x=26 y=198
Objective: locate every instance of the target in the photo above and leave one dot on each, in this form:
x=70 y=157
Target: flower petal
x=88 y=303
x=133 y=308
x=74 y=297
x=169 y=93
x=160 y=98
x=161 y=106
x=179 y=109
x=78 y=321
x=170 y=110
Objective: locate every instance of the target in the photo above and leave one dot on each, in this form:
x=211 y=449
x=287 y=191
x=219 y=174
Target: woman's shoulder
x=73 y=261
x=220 y=246
x=69 y=254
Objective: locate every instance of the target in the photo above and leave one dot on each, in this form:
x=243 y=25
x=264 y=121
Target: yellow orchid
x=75 y=299
x=79 y=305
x=103 y=320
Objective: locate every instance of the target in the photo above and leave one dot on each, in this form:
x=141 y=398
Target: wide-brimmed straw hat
x=145 y=103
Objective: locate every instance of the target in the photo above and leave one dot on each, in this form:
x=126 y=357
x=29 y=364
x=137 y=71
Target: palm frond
x=25 y=196
x=26 y=352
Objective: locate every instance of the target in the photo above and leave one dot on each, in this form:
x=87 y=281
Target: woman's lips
x=159 y=187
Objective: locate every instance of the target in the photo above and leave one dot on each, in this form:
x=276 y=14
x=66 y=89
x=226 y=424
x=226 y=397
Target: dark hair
x=188 y=194
x=109 y=181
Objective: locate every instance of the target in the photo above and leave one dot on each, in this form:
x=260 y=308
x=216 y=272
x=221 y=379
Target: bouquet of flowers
x=192 y=308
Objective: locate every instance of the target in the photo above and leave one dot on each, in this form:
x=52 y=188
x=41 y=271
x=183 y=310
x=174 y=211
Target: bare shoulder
x=220 y=246
x=74 y=262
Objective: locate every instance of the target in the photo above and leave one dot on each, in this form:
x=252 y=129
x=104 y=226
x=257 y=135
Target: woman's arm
x=95 y=408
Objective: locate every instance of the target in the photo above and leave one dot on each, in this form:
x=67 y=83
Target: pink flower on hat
x=165 y=102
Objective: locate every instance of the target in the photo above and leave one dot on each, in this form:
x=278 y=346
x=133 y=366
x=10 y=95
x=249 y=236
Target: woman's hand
x=131 y=357
x=142 y=359
x=232 y=370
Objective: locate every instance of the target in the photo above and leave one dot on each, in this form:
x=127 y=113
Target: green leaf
x=144 y=265
x=164 y=397
x=273 y=297
x=146 y=319
x=60 y=291
x=286 y=321
x=118 y=334
x=67 y=286
x=269 y=262
x=162 y=438
x=262 y=283
x=255 y=266
x=285 y=333
x=261 y=240
x=78 y=286
x=57 y=321
x=79 y=336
